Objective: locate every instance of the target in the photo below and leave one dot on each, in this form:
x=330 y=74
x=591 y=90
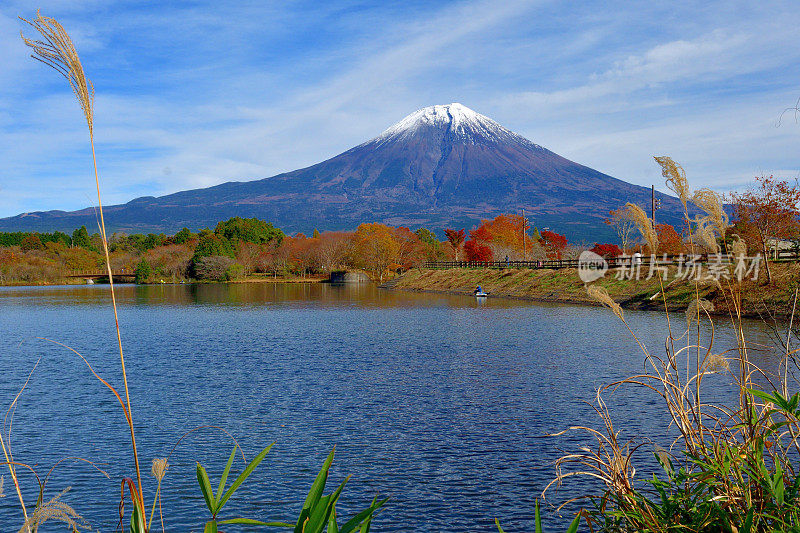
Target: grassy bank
x=565 y=286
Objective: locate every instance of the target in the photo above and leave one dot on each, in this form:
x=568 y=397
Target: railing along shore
x=613 y=262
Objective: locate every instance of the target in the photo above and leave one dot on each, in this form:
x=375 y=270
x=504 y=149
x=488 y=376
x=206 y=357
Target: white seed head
x=675 y=178
x=601 y=295
x=159 y=468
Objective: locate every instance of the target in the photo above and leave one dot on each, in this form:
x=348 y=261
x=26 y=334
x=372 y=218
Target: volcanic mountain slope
x=442 y=166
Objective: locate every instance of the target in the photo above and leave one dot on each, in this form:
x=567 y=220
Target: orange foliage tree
x=374 y=247
x=332 y=248
x=505 y=236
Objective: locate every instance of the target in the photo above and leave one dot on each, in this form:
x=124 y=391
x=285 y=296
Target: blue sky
x=191 y=94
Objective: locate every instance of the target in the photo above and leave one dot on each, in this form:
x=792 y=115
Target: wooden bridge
x=123 y=274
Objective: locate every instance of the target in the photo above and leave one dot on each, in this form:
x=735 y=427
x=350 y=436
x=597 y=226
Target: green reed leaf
x=225 y=472
x=205 y=488
x=367 y=513
x=244 y=475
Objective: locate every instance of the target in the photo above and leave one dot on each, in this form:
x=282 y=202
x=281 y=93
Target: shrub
x=234 y=272
x=213 y=268
x=143 y=271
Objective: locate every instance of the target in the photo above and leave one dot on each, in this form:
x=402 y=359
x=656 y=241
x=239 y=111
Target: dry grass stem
x=738 y=247
x=696 y=307
x=705 y=235
x=159 y=468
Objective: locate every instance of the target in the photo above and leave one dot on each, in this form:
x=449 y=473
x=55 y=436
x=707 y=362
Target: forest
x=241 y=248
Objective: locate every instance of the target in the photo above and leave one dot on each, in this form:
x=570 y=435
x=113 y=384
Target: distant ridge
x=441 y=166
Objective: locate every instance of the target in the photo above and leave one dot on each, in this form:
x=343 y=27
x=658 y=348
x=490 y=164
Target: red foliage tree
x=554 y=244
x=607 y=250
x=476 y=251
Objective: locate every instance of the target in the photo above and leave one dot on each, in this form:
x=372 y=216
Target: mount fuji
x=442 y=166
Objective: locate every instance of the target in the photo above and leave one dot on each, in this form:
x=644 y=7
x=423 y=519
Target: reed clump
x=55 y=510
x=729 y=467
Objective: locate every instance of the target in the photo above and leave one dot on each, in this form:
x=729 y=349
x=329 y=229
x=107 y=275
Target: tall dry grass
x=729 y=467
x=55 y=48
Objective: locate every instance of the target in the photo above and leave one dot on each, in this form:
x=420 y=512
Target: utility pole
x=653 y=203
x=524 y=248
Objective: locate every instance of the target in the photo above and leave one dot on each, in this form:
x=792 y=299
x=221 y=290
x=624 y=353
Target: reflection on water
x=245 y=294
x=440 y=402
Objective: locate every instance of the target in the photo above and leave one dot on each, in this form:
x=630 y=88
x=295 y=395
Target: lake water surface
x=440 y=402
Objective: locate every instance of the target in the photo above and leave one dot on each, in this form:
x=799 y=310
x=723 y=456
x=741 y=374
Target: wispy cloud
x=191 y=95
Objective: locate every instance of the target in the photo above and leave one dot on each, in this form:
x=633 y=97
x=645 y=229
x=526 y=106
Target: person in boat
x=478 y=290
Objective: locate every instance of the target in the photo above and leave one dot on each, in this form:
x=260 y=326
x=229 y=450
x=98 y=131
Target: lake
x=440 y=402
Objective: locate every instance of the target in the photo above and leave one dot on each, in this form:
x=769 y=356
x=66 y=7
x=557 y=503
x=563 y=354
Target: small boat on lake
x=479 y=292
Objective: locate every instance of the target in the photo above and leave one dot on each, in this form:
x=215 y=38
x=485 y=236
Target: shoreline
x=61 y=283
x=564 y=286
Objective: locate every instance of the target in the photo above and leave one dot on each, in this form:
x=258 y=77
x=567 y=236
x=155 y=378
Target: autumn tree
x=301 y=252
x=431 y=247
x=375 y=247
x=247 y=254
x=607 y=251
x=767 y=211
x=31 y=242
x=332 y=248
x=477 y=251
x=505 y=235
x=456 y=239
x=623 y=225
x=669 y=240
x=554 y=244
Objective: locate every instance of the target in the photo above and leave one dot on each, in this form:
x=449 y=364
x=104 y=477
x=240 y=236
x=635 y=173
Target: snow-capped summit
x=454 y=120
